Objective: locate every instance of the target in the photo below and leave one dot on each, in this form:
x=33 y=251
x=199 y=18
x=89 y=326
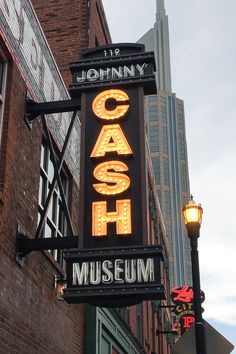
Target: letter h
x=122 y=217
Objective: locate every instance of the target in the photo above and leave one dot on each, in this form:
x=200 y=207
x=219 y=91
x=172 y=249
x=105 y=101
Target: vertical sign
x=113 y=256
x=113 y=195
x=115 y=200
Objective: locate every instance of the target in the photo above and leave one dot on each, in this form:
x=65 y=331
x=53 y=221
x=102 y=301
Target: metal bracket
x=166 y=332
x=25 y=245
x=34 y=109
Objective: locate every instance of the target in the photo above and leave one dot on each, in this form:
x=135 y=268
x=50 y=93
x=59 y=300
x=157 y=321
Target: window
x=162 y=99
x=168 y=229
x=3 y=69
x=181 y=141
x=166 y=172
x=163 y=114
x=156 y=168
x=124 y=313
x=153 y=116
x=154 y=138
x=55 y=224
x=105 y=346
x=153 y=109
x=108 y=344
x=164 y=140
x=139 y=322
x=152 y=98
x=180 y=107
x=167 y=204
x=180 y=120
x=184 y=178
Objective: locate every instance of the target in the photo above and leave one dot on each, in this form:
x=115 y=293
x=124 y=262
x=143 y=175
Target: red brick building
x=32 y=319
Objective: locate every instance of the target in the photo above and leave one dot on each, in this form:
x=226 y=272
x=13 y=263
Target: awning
x=216 y=343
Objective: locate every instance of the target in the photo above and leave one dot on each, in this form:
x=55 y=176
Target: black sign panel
x=132 y=128
x=114 y=266
x=113 y=51
x=117 y=64
x=122 y=276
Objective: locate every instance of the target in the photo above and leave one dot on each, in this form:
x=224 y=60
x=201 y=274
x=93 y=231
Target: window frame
x=55 y=221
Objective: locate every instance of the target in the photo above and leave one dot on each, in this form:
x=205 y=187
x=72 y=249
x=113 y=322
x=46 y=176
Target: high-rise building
x=165 y=124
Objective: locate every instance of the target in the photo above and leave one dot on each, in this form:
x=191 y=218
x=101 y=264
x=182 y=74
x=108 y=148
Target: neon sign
x=114 y=168
x=183 y=298
x=111 y=139
x=113 y=266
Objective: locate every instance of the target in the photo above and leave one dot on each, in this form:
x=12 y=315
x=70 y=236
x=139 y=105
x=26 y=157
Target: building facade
x=37 y=42
x=165 y=124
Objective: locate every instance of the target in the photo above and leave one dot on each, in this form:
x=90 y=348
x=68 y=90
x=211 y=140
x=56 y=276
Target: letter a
x=111 y=139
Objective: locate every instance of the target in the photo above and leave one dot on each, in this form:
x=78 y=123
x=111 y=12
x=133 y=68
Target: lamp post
x=193 y=217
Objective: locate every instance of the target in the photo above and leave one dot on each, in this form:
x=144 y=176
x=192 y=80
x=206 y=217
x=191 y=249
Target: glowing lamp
x=192 y=214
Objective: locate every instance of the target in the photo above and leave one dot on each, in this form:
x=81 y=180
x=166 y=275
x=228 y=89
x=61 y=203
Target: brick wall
x=71 y=27
x=32 y=320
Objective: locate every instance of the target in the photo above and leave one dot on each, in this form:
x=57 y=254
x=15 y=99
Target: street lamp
x=193 y=217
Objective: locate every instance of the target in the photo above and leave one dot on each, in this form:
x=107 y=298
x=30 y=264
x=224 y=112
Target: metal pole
x=199 y=326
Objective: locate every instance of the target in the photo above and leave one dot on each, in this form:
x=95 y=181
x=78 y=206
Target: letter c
x=99 y=104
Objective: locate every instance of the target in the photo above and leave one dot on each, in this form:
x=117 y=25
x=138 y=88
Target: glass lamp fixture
x=59 y=285
x=192 y=214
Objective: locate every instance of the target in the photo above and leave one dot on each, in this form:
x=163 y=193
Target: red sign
x=184 y=294
x=187 y=321
x=183 y=299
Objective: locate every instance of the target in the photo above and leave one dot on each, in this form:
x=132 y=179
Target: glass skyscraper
x=165 y=125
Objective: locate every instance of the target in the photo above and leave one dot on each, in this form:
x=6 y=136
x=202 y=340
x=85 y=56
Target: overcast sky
x=203 y=62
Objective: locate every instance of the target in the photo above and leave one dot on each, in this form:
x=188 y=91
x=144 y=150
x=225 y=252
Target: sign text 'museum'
x=117 y=271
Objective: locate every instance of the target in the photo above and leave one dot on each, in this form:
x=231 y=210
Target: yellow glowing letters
x=122 y=217
x=118 y=182
x=111 y=140
x=99 y=104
